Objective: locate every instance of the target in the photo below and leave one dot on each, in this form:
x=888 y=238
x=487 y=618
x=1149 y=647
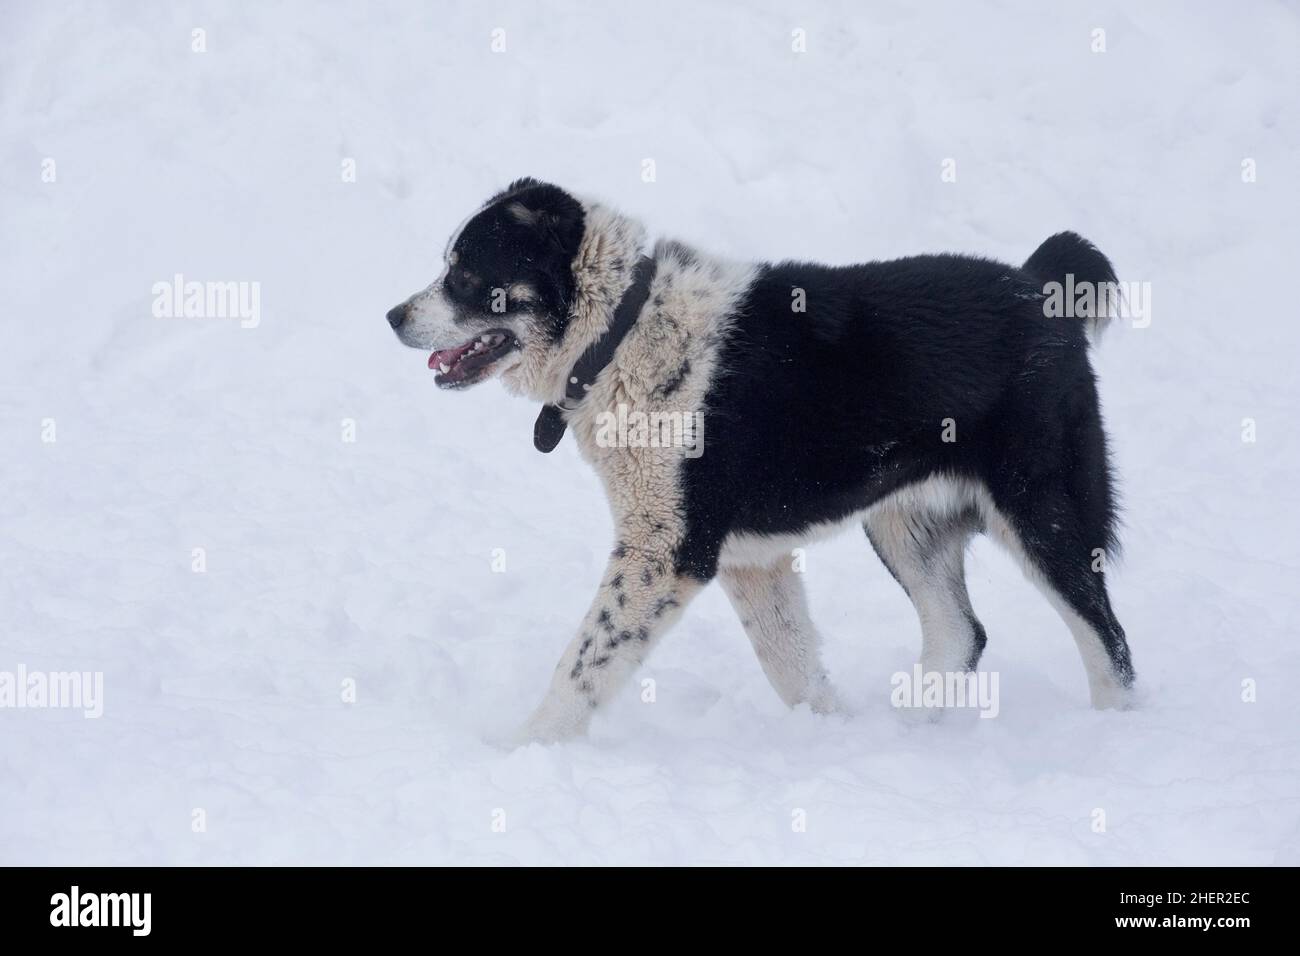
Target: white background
x=372 y=561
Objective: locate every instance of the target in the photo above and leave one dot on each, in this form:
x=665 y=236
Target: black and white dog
x=925 y=399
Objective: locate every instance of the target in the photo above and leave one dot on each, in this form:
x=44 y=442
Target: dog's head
x=505 y=290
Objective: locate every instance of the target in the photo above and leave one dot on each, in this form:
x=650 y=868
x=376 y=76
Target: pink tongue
x=448 y=357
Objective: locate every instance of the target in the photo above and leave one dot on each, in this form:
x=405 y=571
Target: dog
x=925 y=399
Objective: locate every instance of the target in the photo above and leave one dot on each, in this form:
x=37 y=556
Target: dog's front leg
x=639 y=599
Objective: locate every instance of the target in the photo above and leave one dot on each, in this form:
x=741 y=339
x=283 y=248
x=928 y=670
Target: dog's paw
x=528 y=734
x=518 y=738
x=506 y=740
x=827 y=702
x=535 y=732
x=920 y=716
x=1111 y=695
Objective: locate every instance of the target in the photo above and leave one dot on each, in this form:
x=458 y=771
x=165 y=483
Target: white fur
x=937 y=587
x=774 y=612
x=691 y=299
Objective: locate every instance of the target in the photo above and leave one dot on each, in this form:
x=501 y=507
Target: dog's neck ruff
x=550 y=422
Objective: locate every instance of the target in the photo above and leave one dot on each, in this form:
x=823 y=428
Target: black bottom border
x=335 y=905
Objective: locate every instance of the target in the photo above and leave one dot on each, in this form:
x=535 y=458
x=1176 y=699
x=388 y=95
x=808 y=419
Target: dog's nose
x=397 y=315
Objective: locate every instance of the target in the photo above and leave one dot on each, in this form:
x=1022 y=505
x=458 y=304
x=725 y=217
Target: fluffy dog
x=925 y=399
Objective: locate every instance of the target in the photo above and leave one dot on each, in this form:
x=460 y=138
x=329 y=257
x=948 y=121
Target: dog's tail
x=1073 y=262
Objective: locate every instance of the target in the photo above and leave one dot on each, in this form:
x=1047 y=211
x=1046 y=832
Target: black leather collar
x=550 y=423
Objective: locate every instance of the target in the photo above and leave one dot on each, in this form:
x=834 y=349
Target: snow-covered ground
x=371 y=561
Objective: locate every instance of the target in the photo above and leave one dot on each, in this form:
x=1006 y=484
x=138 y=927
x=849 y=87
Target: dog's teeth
x=478 y=346
x=444 y=368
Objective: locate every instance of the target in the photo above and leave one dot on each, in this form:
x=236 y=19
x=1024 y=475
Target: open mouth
x=468 y=363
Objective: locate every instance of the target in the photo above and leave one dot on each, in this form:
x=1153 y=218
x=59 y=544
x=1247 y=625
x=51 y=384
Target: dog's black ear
x=555 y=215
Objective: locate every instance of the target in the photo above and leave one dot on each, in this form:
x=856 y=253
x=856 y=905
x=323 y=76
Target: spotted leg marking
x=640 y=598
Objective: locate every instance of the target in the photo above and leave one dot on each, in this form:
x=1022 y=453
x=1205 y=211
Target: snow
x=372 y=561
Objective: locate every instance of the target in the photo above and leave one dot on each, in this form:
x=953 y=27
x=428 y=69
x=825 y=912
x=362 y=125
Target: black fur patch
x=527 y=233
x=582 y=650
x=824 y=412
x=674 y=381
x=980 y=638
x=662 y=605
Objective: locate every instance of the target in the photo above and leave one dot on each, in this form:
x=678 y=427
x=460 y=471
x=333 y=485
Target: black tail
x=1068 y=253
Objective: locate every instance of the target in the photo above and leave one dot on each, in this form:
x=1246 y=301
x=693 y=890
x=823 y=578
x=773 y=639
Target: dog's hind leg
x=640 y=597
x=774 y=612
x=924 y=549
x=1048 y=532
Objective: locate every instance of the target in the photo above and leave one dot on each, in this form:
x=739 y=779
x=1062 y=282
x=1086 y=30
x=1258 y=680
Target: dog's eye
x=461 y=283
